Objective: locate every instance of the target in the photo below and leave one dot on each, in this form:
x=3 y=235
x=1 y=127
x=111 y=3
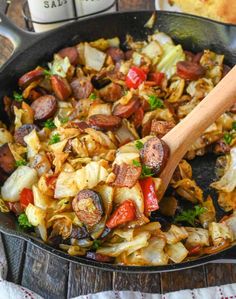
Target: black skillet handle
x=19 y=38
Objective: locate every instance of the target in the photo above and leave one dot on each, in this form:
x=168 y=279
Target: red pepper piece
x=194 y=250
x=150 y=197
x=124 y=213
x=26 y=197
x=135 y=77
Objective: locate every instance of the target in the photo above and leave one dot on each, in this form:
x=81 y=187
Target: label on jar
x=85 y=7
x=56 y=10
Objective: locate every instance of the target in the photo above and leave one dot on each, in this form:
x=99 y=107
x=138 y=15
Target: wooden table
x=52 y=277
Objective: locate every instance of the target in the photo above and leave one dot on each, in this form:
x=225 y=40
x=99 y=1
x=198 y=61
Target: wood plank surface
x=52 y=277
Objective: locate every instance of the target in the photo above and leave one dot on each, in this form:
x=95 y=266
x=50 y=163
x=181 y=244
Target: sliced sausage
x=189 y=70
x=79 y=232
x=197 y=57
x=44 y=107
x=116 y=54
x=88 y=207
x=23 y=131
x=71 y=53
x=125 y=111
x=100 y=81
x=60 y=87
x=189 y=55
x=129 y=54
x=104 y=122
x=30 y=77
x=111 y=92
x=99 y=257
x=81 y=125
x=82 y=88
x=146 y=128
x=7 y=161
x=126 y=175
x=155 y=154
x=161 y=127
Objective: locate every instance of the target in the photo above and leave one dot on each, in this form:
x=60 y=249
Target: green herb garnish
x=23 y=221
x=49 y=123
x=47 y=73
x=64 y=120
x=136 y=163
x=92 y=96
x=234 y=125
x=228 y=138
x=96 y=244
x=155 y=102
x=55 y=139
x=139 y=145
x=146 y=171
x=190 y=216
x=20 y=163
x=17 y=96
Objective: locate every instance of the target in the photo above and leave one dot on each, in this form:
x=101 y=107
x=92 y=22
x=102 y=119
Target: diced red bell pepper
x=194 y=250
x=149 y=194
x=156 y=77
x=135 y=77
x=124 y=213
x=26 y=197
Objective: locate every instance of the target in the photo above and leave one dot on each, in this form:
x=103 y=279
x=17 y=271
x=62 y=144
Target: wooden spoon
x=182 y=136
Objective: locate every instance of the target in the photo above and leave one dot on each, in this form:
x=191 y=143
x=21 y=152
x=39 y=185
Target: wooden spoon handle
x=182 y=136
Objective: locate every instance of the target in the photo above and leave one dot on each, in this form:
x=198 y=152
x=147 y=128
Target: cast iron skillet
x=194 y=33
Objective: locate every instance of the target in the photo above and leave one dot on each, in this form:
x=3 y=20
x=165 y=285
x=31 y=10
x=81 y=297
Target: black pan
x=194 y=33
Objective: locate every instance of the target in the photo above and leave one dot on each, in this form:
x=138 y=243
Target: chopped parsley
x=146 y=171
x=64 y=120
x=228 y=138
x=17 y=96
x=136 y=163
x=47 y=73
x=23 y=221
x=55 y=139
x=96 y=244
x=234 y=125
x=139 y=145
x=92 y=96
x=49 y=123
x=20 y=163
x=155 y=102
x=190 y=216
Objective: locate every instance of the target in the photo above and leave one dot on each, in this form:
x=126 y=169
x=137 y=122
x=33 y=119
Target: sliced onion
x=123 y=135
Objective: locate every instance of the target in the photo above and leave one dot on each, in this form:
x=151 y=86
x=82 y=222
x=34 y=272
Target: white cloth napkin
x=10 y=290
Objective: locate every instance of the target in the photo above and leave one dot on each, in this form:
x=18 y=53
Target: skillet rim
x=224 y=254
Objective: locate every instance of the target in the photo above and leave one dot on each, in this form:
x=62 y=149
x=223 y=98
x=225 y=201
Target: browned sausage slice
x=116 y=54
x=23 y=131
x=155 y=154
x=126 y=175
x=189 y=70
x=161 y=127
x=44 y=107
x=82 y=88
x=81 y=125
x=30 y=77
x=129 y=54
x=60 y=87
x=125 y=111
x=111 y=92
x=88 y=207
x=104 y=122
x=7 y=161
x=71 y=53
